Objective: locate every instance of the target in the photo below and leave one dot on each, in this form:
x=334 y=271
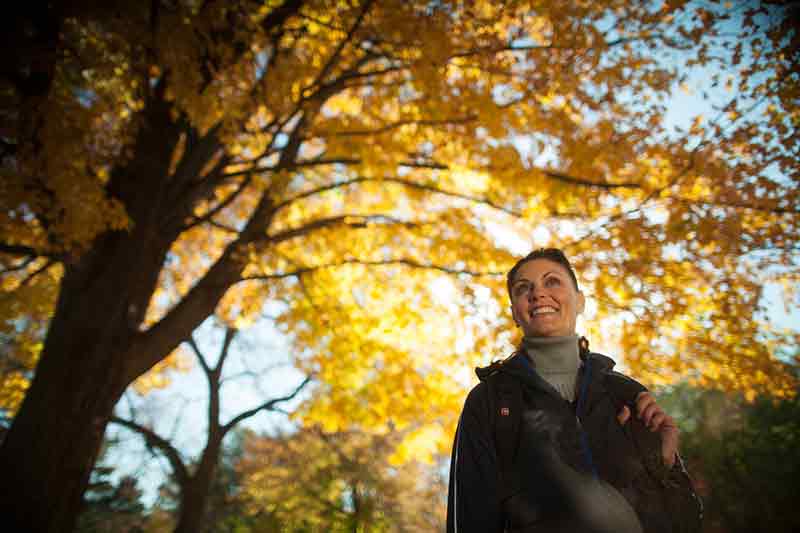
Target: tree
x=732 y=447
x=109 y=505
x=194 y=481
x=352 y=160
x=225 y=509
x=112 y=506
x=346 y=481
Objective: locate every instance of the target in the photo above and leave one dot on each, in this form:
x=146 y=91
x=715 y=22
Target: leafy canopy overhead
x=363 y=165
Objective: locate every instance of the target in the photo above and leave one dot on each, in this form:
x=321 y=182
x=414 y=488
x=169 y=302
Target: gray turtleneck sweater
x=556 y=359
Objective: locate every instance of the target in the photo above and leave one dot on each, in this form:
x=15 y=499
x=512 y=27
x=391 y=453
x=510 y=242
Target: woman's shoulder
x=623 y=386
x=497 y=365
x=479 y=394
x=479 y=397
x=614 y=379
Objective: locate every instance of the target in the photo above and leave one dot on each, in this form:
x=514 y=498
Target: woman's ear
x=581 y=302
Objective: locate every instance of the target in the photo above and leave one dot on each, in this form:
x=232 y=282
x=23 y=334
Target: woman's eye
x=522 y=288
x=552 y=282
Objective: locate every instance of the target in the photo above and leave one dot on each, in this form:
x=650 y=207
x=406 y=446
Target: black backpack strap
x=505 y=415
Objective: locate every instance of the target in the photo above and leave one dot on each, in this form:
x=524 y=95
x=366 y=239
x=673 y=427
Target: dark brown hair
x=551 y=254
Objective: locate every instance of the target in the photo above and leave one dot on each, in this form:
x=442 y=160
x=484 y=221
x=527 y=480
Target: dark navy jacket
x=569 y=456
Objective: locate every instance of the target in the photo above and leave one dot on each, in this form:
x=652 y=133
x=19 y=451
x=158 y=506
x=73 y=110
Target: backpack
x=670 y=490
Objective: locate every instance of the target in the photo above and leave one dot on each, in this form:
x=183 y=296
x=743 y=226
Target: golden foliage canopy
x=366 y=163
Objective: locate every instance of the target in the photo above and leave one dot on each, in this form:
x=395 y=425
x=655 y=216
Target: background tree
x=341 y=158
x=742 y=456
x=346 y=481
x=111 y=507
x=225 y=510
x=113 y=503
x=194 y=480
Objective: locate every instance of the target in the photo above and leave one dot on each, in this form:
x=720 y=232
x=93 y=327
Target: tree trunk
x=94 y=347
x=194 y=497
x=48 y=453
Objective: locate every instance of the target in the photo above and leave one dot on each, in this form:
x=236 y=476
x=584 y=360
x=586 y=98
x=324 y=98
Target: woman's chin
x=544 y=331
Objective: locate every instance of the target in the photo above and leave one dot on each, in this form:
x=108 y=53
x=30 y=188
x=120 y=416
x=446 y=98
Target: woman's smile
x=544 y=310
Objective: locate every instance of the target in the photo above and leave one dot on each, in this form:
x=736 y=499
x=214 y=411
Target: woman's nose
x=535 y=293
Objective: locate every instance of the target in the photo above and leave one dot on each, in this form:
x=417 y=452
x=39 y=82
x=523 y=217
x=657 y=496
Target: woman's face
x=544 y=302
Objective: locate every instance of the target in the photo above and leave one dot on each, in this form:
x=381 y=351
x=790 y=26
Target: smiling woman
x=545 y=443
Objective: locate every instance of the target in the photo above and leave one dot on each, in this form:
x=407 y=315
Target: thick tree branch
x=340 y=47
x=19 y=249
x=386 y=262
x=154 y=441
x=24 y=264
x=151 y=346
x=398 y=124
x=207 y=217
x=532 y=47
x=266 y=406
x=430 y=165
x=200 y=357
x=349 y=220
x=35 y=273
x=650 y=196
x=197 y=154
x=230 y=334
x=739 y=205
x=280 y=14
x=400 y=181
x=296 y=165
x=566 y=178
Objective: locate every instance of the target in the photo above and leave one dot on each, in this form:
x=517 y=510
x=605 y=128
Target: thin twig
x=266 y=406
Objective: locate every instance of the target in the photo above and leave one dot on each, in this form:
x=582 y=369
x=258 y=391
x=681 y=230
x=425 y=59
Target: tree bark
x=194 y=497
x=48 y=453
x=50 y=449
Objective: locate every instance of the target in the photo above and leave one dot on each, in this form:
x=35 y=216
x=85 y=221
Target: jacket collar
x=518 y=366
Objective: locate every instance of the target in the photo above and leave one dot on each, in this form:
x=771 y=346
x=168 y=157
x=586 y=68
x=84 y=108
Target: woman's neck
x=552 y=353
x=556 y=359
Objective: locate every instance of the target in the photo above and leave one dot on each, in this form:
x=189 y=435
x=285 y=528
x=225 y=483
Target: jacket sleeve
x=473 y=504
